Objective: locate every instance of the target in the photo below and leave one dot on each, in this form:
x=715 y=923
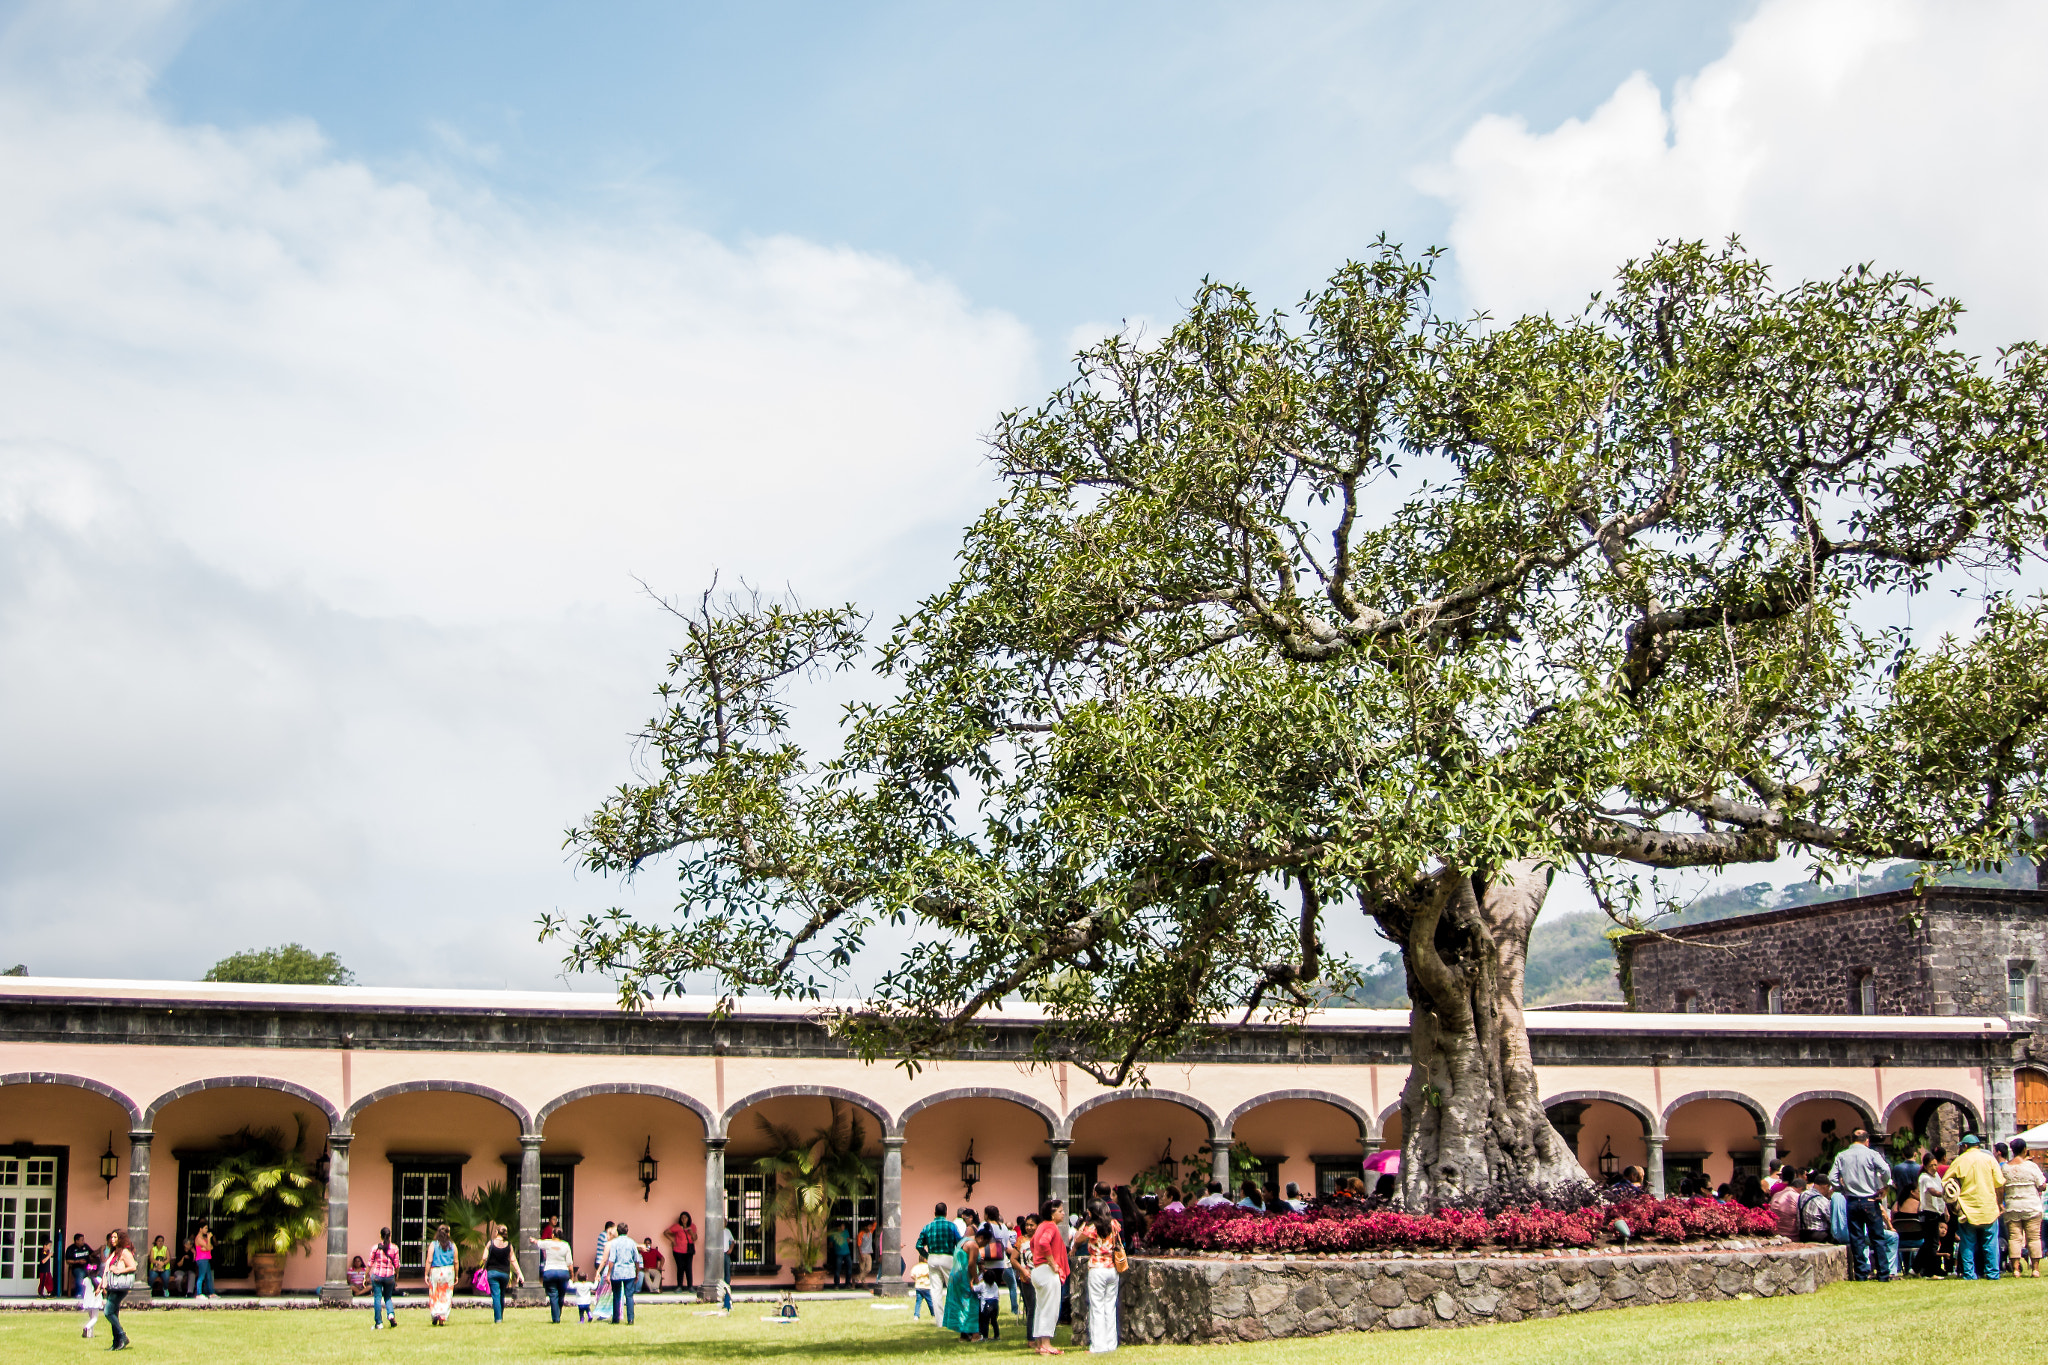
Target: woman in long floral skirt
x=963 y=1307
x=441 y=1260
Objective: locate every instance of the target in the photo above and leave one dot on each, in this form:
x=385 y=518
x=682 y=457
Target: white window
x=2019 y=988
x=1688 y=1002
x=1772 y=996
x=1866 y=993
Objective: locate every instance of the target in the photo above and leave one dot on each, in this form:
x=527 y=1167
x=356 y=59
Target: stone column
x=889 y=1244
x=1767 y=1152
x=529 y=1219
x=2001 y=1117
x=1219 y=1160
x=138 y=1208
x=714 y=1220
x=334 y=1287
x=1057 y=1172
x=1654 y=1176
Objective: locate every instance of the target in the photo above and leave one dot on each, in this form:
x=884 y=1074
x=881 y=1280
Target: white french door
x=28 y=1218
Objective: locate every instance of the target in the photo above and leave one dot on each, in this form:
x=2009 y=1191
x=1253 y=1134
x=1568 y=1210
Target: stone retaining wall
x=1199 y=1300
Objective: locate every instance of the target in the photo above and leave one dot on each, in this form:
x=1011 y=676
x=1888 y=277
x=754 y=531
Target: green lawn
x=1910 y=1320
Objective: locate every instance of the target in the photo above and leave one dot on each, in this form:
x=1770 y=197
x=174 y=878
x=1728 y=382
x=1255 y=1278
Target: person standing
x=383 y=1281
x=1100 y=1242
x=604 y=1244
x=1971 y=1188
x=46 y=1271
x=990 y=1262
x=2023 y=1186
x=501 y=1269
x=1048 y=1275
x=622 y=1268
x=120 y=1264
x=963 y=1298
x=682 y=1244
x=1934 y=1223
x=1006 y=1238
x=441 y=1260
x=202 y=1260
x=839 y=1255
x=159 y=1268
x=89 y=1297
x=936 y=1243
x=1862 y=1177
x=555 y=1258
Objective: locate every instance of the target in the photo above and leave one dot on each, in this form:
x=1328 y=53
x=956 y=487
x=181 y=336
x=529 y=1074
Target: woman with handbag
x=120 y=1272
x=1103 y=1244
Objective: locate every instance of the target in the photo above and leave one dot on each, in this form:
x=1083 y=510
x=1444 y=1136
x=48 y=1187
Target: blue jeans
x=203 y=1284
x=1866 y=1240
x=622 y=1301
x=1977 y=1248
x=923 y=1300
x=498 y=1279
x=556 y=1282
x=382 y=1288
x=114 y=1297
x=1010 y=1279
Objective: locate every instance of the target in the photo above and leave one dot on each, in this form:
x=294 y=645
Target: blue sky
x=363 y=360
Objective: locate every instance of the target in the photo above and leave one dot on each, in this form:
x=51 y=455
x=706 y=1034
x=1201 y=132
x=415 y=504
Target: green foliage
x=1361 y=608
x=267 y=1192
x=289 y=964
x=809 y=1176
x=469 y=1219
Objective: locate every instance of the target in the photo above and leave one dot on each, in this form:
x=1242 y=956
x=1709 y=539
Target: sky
x=365 y=366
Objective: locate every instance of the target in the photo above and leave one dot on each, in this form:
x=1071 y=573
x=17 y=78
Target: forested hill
x=1571 y=958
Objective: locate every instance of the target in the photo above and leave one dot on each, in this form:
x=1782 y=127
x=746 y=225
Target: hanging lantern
x=1610 y=1164
x=110 y=1165
x=648 y=1166
x=970 y=1169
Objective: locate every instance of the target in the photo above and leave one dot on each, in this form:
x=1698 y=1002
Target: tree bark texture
x=1471 y=1113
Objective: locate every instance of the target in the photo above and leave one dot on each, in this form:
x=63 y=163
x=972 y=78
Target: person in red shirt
x=650 y=1267
x=682 y=1240
x=1049 y=1270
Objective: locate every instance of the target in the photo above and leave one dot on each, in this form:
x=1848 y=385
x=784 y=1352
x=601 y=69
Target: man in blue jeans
x=622 y=1259
x=1972 y=1188
x=1862 y=1175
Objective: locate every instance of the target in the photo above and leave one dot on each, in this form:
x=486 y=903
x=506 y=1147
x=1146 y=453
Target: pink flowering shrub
x=1338 y=1226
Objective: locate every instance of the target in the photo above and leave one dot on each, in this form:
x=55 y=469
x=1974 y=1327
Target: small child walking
x=579 y=1294
x=921 y=1290
x=90 y=1298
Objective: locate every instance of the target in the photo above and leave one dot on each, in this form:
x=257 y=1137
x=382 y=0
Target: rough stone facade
x=1193 y=1301
x=1947 y=953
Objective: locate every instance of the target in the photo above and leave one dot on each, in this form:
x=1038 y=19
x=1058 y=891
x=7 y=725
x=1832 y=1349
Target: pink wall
x=1602 y=1122
x=1799 y=1138
x=1130 y=1135
x=1299 y=1131
x=1006 y=1137
x=479 y=1130
x=1720 y=1128
x=609 y=1132
x=203 y=1123
x=64 y=1116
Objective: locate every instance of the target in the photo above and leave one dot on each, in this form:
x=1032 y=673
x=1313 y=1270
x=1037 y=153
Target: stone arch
x=497 y=1097
x=136 y=1118
x=1208 y=1115
x=1651 y=1127
x=1914 y=1097
x=1366 y=1123
x=584 y=1092
x=1856 y=1102
x=320 y=1102
x=1756 y=1110
x=1392 y=1111
x=1038 y=1107
x=830 y=1092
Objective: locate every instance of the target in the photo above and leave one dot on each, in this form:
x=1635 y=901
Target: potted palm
x=270 y=1198
x=809 y=1176
x=469 y=1221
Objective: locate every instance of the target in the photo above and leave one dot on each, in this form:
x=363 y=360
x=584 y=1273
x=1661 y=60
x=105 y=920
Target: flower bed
x=1343 y=1226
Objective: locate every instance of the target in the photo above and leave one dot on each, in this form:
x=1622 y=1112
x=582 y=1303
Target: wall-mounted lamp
x=323 y=1166
x=110 y=1165
x=970 y=1169
x=1610 y=1164
x=648 y=1166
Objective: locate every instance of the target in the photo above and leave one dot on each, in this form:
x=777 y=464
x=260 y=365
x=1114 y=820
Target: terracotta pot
x=268 y=1267
x=810 y=1281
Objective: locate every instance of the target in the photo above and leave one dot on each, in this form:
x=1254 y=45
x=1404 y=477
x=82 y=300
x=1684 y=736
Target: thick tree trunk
x=1471 y=1114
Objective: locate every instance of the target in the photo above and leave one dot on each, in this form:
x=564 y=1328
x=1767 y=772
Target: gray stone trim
x=135 y=1117
x=830 y=1092
x=1392 y=1111
x=1963 y=1102
x=498 y=1097
x=1352 y=1107
x=1756 y=1110
x=977 y=1092
x=293 y=1088
x=1856 y=1102
x=1216 y=1126
x=1651 y=1128
x=662 y=1092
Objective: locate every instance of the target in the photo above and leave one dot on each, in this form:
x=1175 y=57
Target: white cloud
x=1831 y=132
x=322 y=494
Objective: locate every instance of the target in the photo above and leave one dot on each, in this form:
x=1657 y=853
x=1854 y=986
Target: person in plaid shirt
x=383 y=1280
x=937 y=1243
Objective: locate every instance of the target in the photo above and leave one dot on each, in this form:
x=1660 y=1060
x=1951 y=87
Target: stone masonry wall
x=1816 y=954
x=1970 y=947
x=1198 y=1300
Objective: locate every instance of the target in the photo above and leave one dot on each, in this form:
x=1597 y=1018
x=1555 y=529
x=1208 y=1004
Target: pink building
x=414 y=1094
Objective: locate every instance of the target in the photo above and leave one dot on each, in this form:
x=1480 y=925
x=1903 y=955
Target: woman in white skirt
x=1048 y=1273
x=1102 y=1243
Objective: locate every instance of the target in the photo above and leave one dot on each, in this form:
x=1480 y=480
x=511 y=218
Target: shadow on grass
x=839 y=1347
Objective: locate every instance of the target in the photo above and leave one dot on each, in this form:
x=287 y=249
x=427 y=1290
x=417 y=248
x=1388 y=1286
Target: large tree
x=1360 y=608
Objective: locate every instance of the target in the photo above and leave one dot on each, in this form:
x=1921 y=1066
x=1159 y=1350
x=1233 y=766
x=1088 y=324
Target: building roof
x=1955 y=897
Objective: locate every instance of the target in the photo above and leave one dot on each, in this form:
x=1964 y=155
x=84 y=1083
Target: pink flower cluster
x=1340 y=1227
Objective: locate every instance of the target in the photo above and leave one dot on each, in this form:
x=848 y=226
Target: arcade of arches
x=116 y=1098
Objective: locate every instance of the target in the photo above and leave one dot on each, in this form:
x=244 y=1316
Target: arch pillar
x=1653 y=1178
x=889 y=1241
x=529 y=1219
x=1767 y=1150
x=714 y=1219
x=138 y=1207
x=1059 y=1171
x=2001 y=1106
x=334 y=1286
x=1219 y=1158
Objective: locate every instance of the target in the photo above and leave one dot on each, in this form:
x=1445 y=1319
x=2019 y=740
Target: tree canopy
x=288 y=964
x=1362 y=608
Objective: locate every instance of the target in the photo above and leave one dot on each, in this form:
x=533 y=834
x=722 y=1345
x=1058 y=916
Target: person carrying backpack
x=1816 y=1221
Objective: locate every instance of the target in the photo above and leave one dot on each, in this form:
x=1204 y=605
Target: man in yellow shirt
x=1972 y=1188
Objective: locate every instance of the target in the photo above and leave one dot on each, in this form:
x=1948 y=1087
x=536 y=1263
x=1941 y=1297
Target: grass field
x=1912 y=1320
